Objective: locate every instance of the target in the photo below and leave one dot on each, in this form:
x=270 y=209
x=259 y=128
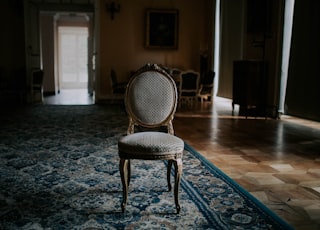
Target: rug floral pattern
x=59 y=170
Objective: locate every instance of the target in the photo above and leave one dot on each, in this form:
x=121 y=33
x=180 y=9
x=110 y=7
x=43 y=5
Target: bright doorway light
x=286 y=43
x=73 y=57
x=216 y=47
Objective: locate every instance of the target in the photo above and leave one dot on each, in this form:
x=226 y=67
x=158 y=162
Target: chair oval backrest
x=151 y=97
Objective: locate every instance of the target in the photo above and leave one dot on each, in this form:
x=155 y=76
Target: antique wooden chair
x=205 y=91
x=151 y=100
x=117 y=87
x=188 y=87
x=37 y=86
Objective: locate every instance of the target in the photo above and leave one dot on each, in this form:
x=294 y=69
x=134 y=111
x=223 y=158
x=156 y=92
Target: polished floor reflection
x=276 y=160
x=70 y=97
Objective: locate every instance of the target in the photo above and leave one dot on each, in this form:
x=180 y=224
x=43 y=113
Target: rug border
x=235 y=184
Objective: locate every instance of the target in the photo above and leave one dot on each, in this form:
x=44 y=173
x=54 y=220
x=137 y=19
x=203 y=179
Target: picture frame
x=162 y=29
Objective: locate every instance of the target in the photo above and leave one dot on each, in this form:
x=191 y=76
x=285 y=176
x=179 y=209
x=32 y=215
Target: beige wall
x=12 y=49
x=122 y=39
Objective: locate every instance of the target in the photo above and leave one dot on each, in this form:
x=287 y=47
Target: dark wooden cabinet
x=250 y=87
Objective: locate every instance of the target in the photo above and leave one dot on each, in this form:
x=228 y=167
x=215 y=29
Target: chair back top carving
x=151 y=98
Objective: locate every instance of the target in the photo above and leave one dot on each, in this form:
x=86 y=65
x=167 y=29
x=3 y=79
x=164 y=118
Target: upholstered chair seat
x=150 y=145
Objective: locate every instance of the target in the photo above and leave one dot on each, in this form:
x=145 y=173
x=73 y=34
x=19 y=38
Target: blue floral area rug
x=59 y=170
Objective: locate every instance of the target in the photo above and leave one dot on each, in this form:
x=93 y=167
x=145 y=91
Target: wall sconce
x=112 y=8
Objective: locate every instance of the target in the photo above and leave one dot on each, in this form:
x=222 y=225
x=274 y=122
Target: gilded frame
x=162 y=29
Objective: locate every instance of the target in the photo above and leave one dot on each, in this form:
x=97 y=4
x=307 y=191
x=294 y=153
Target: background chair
x=37 y=86
x=206 y=87
x=188 y=87
x=175 y=73
x=118 y=88
x=151 y=100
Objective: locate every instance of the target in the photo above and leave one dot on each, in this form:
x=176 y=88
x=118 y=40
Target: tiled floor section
x=70 y=97
x=278 y=161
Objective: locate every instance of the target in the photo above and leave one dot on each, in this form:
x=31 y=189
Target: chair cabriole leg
x=124 y=173
x=169 y=174
x=178 y=173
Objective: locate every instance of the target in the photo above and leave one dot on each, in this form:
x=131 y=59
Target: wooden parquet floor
x=276 y=160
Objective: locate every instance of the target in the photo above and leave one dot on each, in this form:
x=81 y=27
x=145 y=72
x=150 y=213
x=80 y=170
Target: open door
x=42 y=20
x=74 y=52
x=73 y=57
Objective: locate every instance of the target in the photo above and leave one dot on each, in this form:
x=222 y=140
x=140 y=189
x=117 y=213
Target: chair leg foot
x=178 y=209
x=123 y=207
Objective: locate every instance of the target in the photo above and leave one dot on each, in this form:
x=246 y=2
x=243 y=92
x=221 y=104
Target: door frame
x=70 y=22
x=33 y=43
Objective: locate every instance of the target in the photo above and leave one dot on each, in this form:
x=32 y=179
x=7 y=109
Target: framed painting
x=162 y=29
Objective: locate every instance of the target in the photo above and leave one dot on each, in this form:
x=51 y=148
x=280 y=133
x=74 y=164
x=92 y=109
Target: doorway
x=67 y=62
x=72 y=67
x=73 y=57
